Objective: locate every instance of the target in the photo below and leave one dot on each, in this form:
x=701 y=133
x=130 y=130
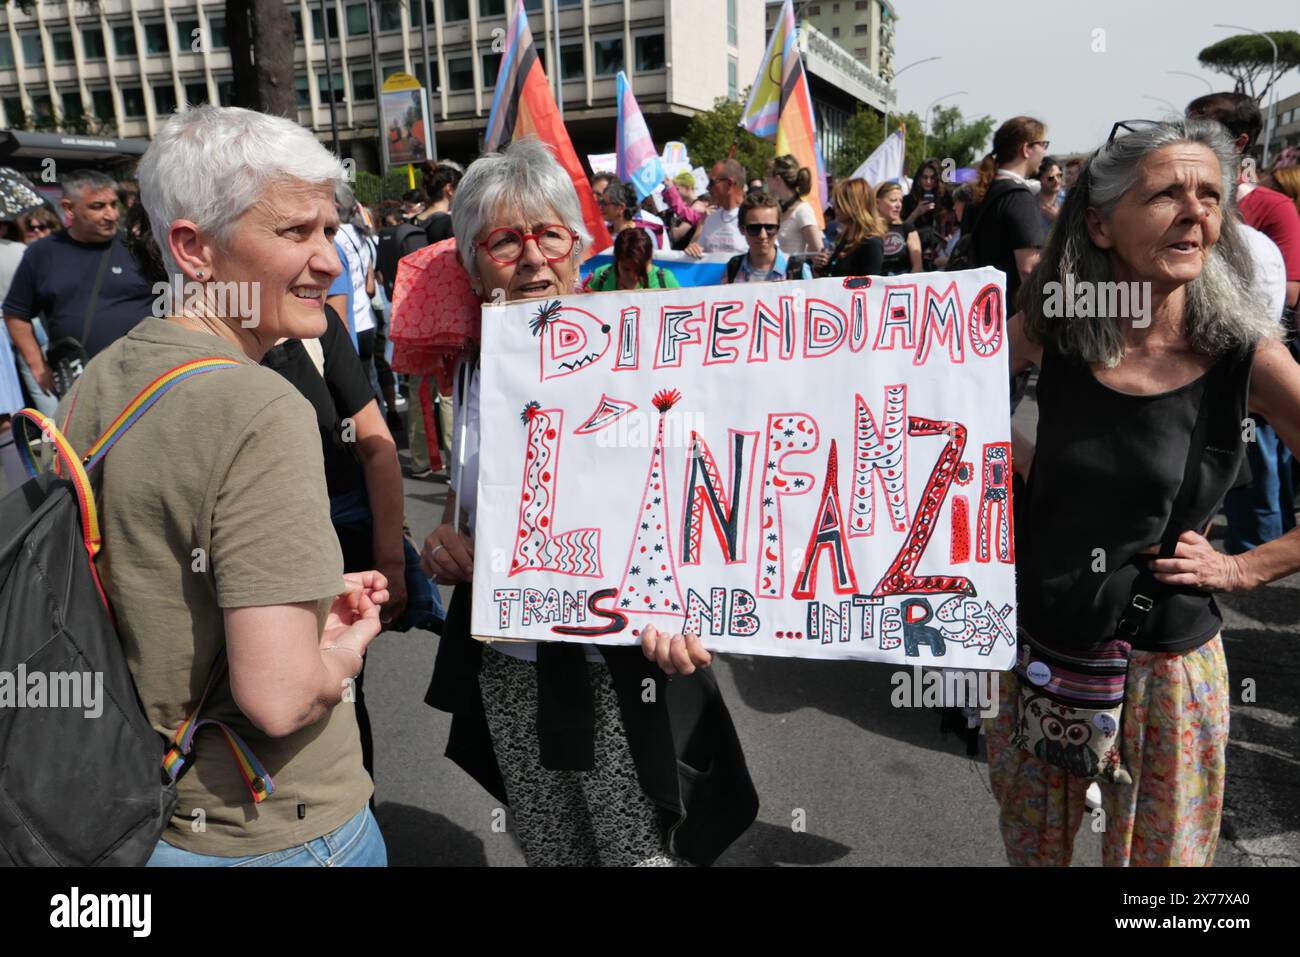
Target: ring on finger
x=436 y=548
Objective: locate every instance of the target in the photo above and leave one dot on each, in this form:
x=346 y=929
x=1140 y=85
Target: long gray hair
x=1223 y=311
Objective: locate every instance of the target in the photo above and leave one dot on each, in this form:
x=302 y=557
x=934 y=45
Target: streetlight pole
x=897 y=74
x=925 y=120
x=329 y=77
x=1272 y=84
x=1209 y=87
x=428 y=78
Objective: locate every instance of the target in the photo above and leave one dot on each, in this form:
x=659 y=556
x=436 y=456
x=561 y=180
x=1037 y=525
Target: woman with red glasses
x=594 y=768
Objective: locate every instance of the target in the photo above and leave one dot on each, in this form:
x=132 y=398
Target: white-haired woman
x=216 y=525
x=593 y=769
x=1120 y=397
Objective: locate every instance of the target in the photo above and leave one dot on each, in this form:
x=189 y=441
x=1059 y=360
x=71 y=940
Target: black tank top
x=1106 y=470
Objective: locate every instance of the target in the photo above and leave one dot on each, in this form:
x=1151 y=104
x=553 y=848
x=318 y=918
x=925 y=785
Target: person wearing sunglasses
x=719 y=229
x=561 y=732
x=37 y=224
x=1111 y=528
x=760 y=220
x=1051 y=194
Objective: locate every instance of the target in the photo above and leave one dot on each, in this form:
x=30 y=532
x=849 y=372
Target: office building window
x=218 y=27
x=731 y=23
x=7 y=53
x=302 y=91
x=33 y=55
x=460 y=73
x=124 y=40
x=187 y=31
x=390 y=15
x=815 y=10
x=155 y=38
x=324 y=92
x=491 y=64
x=649 y=52
x=571 y=62
x=733 y=90
x=14 y=112
x=455 y=10
x=363 y=84
x=358 y=22
x=317 y=33
x=73 y=108
x=101 y=102
x=388 y=69
x=835 y=31
x=61 y=45
x=859 y=29
x=607 y=56
x=164 y=99
x=492 y=8
x=43 y=108
x=92 y=43
x=196 y=92
x=860 y=4
x=860 y=52
x=132 y=101
x=225 y=91
x=296 y=17
x=835 y=8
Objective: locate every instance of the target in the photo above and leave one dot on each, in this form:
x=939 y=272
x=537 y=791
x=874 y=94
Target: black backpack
x=394 y=243
x=76 y=788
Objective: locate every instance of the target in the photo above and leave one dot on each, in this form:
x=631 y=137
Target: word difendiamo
x=75 y=910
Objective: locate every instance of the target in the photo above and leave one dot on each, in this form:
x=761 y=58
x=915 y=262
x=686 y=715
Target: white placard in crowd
x=816 y=469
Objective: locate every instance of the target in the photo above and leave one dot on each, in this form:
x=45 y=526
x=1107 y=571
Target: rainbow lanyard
x=176 y=759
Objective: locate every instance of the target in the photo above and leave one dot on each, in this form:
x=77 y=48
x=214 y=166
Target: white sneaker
x=1093 y=796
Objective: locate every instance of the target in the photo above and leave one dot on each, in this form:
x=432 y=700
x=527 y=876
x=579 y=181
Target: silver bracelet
x=343 y=648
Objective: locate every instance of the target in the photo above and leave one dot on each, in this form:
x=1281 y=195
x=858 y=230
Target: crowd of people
x=284 y=468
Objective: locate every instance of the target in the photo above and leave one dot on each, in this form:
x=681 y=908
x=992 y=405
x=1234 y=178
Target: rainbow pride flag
x=522 y=105
x=780 y=106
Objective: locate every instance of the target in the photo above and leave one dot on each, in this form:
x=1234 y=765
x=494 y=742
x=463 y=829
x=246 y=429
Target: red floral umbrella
x=436 y=314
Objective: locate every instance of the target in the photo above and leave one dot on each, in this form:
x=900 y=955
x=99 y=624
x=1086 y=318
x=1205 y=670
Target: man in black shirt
x=83 y=282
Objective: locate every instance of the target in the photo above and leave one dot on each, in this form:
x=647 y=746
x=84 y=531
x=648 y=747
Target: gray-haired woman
x=594 y=769
x=216 y=534
x=1120 y=393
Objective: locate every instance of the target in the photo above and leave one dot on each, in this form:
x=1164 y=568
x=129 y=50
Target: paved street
x=876 y=785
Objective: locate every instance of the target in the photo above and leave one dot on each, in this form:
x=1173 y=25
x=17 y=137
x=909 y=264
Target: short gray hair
x=82 y=179
x=524 y=178
x=1223 y=312
x=210 y=164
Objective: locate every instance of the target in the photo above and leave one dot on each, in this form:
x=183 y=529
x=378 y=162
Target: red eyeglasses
x=506 y=245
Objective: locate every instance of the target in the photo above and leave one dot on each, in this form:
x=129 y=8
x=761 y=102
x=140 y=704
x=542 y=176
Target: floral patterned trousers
x=1175 y=736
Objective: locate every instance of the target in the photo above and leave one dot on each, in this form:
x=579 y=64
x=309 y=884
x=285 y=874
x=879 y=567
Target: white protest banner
x=817 y=468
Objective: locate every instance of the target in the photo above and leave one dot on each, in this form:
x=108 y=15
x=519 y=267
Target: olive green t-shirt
x=216 y=499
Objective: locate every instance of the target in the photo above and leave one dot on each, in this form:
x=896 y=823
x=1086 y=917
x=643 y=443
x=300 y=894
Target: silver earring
x=199 y=275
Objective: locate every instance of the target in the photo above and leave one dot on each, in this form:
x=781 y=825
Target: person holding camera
x=923 y=207
x=82 y=282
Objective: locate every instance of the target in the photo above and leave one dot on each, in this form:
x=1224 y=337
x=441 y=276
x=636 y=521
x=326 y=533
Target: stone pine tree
x=1248 y=59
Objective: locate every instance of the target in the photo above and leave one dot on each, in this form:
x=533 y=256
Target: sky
x=1036 y=58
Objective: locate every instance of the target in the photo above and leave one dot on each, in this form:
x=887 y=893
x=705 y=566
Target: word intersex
x=843 y=489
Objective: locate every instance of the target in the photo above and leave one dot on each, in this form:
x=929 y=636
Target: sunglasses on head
x=1129 y=126
x=757 y=229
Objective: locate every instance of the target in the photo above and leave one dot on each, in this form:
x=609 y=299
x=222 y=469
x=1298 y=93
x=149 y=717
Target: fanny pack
x=1071 y=701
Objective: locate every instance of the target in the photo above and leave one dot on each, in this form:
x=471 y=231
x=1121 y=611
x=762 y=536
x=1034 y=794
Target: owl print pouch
x=1072 y=707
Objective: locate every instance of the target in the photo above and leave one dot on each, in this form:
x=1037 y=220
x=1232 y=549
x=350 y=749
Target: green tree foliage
x=371 y=189
x=1249 y=58
x=709 y=137
x=953 y=137
x=864 y=132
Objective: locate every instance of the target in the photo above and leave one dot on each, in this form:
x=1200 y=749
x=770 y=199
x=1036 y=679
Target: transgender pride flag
x=638 y=160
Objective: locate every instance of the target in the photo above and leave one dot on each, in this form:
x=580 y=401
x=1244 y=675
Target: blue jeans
x=357 y=843
x=1265 y=509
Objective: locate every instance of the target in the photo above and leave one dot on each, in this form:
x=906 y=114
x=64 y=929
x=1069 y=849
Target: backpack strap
x=176 y=760
x=143 y=402
x=733 y=267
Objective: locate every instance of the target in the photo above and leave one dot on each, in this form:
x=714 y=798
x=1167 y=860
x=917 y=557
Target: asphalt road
x=871 y=784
